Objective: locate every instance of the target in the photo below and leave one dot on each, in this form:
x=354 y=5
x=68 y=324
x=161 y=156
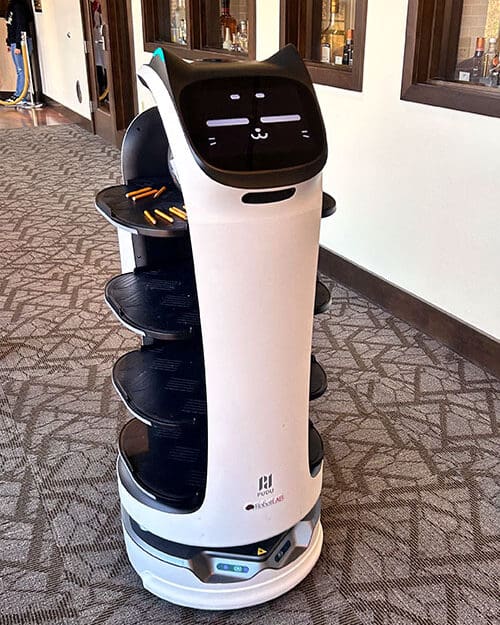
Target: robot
x=220 y=469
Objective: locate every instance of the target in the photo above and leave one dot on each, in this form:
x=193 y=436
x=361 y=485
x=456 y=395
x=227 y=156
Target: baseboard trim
x=79 y=120
x=461 y=338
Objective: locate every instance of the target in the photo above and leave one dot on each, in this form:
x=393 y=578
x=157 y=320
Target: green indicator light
x=235 y=568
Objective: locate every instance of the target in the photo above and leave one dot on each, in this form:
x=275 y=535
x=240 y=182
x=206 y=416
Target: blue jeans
x=19 y=64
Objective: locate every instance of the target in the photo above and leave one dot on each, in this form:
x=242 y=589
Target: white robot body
x=255 y=254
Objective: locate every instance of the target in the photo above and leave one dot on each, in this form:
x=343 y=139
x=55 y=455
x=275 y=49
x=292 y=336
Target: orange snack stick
x=143 y=195
x=131 y=194
x=163 y=216
x=159 y=192
x=178 y=212
x=149 y=218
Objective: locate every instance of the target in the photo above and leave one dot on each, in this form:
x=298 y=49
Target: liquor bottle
x=178 y=29
x=242 y=36
x=347 y=57
x=227 y=44
x=490 y=56
x=227 y=21
x=333 y=37
x=183 y=32
x=478 y=61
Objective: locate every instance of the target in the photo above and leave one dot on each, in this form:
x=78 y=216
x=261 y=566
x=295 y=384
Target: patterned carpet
x=412 y=476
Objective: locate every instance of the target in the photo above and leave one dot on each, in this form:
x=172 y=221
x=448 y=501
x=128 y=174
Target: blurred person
x=19 y=18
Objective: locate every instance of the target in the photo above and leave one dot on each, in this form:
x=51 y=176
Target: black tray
x=322 y=299
x=161 y=304
x=122 y=211
x=315 y=450
x=318 y=379
x=169 y=464
x=329 y=206
x=164 y=385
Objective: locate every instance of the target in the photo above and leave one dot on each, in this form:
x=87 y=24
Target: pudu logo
x=265 y=485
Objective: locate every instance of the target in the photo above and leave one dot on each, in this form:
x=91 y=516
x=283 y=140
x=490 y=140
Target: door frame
x=123 y=101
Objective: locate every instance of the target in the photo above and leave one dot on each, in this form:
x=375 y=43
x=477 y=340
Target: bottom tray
x=170 y=465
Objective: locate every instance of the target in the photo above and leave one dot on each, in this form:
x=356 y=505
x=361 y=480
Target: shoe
x=12 y=98
x=24 y=104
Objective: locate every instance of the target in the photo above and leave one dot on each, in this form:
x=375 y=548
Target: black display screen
x=253 y=123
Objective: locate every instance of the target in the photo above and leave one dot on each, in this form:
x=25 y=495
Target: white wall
x=418 y=200
x=62 y=55
x=417 y=186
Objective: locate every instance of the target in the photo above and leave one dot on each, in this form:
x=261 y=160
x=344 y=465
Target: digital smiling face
x=252 y=124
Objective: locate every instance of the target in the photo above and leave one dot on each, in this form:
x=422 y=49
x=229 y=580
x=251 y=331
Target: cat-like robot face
x=248 y=125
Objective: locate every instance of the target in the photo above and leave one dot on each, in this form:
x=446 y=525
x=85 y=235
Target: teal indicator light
x=234 y=568
x=159 y=52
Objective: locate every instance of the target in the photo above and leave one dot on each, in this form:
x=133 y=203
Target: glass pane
x=477 y=51
x=101 y=73
x=178 y=22
x=225 y=26
x=168 y=22
x=337 y=34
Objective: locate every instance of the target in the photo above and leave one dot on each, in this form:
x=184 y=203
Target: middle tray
x=161 y=304
x=165 y=385
x=322 y=299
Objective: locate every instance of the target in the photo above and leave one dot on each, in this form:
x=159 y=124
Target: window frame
x=298 y=20
x=195 y=28
x=430 y=27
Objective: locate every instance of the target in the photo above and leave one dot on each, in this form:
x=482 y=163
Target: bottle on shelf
x=491 y=56
x=348 y=56
x=227 y=21
x=227 y=44
x=183 y=33
x=178 y=31
x=333 y=37
x=242 y=36
x=478 y=60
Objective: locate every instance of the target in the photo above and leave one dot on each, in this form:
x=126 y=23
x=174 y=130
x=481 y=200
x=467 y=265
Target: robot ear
x=289 y=60
x=288 y=57
x=172 y=69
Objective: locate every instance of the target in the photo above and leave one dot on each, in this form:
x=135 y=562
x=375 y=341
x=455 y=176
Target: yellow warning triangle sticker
x=261 y=552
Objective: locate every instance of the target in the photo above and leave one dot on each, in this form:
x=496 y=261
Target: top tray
x=129 y=215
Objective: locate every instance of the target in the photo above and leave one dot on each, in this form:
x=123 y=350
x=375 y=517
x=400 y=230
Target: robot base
x=180 y=586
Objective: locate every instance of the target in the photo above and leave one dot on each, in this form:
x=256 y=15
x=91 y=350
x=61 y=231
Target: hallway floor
x=412 y=448
x=51 y=115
